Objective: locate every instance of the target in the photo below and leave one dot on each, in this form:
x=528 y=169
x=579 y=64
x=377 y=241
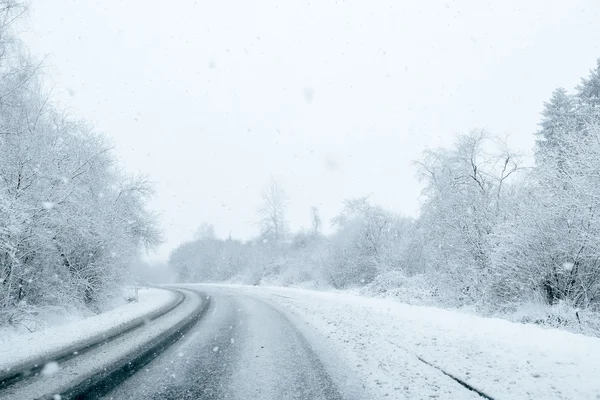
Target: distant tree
x=205 y=231
x=272 y=211
x=366 y=243
x=315 y=221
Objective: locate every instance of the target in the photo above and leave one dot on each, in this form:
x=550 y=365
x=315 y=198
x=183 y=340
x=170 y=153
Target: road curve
x=242 y=348
x=75 y=376
x=32 y=366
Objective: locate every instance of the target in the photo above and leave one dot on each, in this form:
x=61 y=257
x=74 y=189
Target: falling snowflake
x=216 y=348
x=568 y=266
x=232 y=341
x=48 y=205
x=50 y=369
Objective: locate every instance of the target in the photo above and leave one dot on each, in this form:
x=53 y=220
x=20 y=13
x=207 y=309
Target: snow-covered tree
x=316 y=221
x=366 y=243
x=70 y=223
x=588 y=92
x=465 y=196
x=549 y=248
x=273 y=222
x=558 y=119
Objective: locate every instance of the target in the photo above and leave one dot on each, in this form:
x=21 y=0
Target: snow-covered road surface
x=382 y=343
x=242 y=348
x=247 y=346
x=78 y=373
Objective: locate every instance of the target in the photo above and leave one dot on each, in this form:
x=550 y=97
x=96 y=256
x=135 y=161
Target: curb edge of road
x=34 y=364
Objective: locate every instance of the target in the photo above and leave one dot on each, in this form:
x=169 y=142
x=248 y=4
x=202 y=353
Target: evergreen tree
x=588 y=93
x=558 y=117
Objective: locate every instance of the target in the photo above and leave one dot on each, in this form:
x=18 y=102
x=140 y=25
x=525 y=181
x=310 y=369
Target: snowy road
x=266 y=343
x=401 y=351
x=247 y=346
x=243 y=348
x=282 y=343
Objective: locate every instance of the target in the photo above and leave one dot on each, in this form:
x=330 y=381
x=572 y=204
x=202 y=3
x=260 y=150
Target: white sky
x=208 y=98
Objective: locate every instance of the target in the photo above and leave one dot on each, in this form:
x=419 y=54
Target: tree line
x=70 y=221
x=492 y=233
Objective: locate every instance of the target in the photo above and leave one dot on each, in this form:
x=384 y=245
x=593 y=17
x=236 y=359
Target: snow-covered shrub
x=368 y=242
x=242 y=279
x=285 y=277
x=560 y=315
x=414 y=289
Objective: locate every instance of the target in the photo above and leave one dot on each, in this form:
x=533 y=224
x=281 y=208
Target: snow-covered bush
x=416 y=289
x=368 y=242
x=560 y=315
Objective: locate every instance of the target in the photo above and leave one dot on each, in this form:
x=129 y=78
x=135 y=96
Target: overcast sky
x=334 y=98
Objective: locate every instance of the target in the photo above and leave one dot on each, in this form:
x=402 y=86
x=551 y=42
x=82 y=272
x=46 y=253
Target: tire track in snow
x=449 y=375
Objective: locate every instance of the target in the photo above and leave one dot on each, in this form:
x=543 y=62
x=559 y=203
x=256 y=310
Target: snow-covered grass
x=382 y=340
x=23 y=348
x=561 y=315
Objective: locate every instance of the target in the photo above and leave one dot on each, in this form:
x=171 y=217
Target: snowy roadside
x=382 y=339
x=17 y=350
